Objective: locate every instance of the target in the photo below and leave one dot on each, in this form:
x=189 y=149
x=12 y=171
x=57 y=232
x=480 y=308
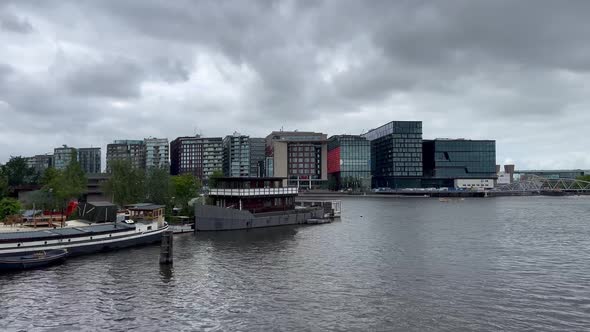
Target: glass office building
x=396 y=154
x=349 y=162
x=446 y=160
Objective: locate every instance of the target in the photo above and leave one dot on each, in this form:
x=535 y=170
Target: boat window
x=149 y=228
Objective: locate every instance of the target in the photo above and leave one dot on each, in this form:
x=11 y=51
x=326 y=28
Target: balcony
x=253 y=192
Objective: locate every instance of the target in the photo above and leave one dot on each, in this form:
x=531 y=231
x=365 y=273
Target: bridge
x=534 y=183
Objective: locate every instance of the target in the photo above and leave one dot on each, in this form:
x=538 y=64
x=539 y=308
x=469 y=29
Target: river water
x=391 y=264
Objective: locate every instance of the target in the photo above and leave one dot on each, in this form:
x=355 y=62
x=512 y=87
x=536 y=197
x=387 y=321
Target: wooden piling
x=166 y=256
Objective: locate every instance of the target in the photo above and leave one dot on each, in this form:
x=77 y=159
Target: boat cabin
x=148 y=212
x=254 y=194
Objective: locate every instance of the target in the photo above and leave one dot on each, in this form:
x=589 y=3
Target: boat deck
x=74 y=229
x=28 y=227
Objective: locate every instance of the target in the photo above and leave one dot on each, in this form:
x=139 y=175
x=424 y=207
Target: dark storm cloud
x=482 y=69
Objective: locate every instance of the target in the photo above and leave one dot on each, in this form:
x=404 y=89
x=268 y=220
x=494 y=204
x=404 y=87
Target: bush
x=8 y=207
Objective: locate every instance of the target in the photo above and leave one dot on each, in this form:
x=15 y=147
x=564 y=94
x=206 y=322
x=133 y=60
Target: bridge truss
x=539 y=183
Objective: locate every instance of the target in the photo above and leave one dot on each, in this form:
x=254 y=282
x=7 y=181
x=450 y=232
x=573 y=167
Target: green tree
x=9 y=206
x=49 y=176
x=3 y=186
x=584 y=178
x=214 y=178
x=62 y=186
x=73 y=180
x=185 y=188
x=17 y=172
x=127 y=184
x=158 y=186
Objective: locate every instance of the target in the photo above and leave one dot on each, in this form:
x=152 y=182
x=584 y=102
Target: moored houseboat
x=97 y=230
x=251 y=202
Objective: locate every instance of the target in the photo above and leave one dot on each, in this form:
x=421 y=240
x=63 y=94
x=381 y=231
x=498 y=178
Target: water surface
x=408 y=264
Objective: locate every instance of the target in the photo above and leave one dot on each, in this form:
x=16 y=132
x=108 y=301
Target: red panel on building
x=334 y=160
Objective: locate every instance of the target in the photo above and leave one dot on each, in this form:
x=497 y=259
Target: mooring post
x=166 y=256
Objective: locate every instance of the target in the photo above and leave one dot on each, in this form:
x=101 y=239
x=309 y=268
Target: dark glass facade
x=257 y=155
x=349 y=162
x=448 y=159
x=396 y=154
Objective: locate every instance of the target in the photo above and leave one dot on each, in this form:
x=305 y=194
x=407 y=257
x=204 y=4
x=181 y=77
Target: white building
x=479 y=184
x=157 y=152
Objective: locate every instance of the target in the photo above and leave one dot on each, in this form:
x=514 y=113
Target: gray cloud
x=513 y=71
x=116 y=78
x=13 y=23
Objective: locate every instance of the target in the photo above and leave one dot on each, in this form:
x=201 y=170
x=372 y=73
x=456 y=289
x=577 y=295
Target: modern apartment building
x=40 y=162
x=196 y=155
x=301 y=157
x=89 y=159
x=212 y=156
x=396 y=154
x=451 y=162
x=62 y=156
x=131 y=150
x=236 y=155
x=349 y=162
x=257 y=156
x=157 y=153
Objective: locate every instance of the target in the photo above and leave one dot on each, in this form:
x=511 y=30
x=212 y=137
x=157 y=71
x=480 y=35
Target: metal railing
x=253 y=192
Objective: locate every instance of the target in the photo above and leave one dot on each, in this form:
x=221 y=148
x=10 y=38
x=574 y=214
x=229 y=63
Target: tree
x=9 y=206
x=584 y=178
x=127 y=184
x=185 y=188
x=49 y=176
x=3 y=186
x=158 y=186
x=214 y=178
x=73 y=181
x=17 y=172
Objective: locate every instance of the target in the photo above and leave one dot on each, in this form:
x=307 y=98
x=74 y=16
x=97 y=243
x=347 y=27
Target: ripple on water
x=407 y=265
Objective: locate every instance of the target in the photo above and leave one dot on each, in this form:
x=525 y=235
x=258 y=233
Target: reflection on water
x=390 y=264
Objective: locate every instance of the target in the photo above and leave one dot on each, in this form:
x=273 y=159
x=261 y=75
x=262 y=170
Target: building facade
x=257 y=156
x=396 y=154
x=236 y=155
x=157 y=153
x=196 y=155
x=448 y=160
x=131 y=150
x=301 y=157
x=63 y=156
x=89 y=159
x=40 y=162
x=212 y=156
x=349 y=162
x=551 y=174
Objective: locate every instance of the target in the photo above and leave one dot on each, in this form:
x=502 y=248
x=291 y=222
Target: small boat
x=32 y=260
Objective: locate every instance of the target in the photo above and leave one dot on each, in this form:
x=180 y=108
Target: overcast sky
x=84 y=73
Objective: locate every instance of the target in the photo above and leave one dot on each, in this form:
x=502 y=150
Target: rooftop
x=147 y=207
x=250 y=178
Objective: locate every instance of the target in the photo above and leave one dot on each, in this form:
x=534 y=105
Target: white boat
x=85 y=237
